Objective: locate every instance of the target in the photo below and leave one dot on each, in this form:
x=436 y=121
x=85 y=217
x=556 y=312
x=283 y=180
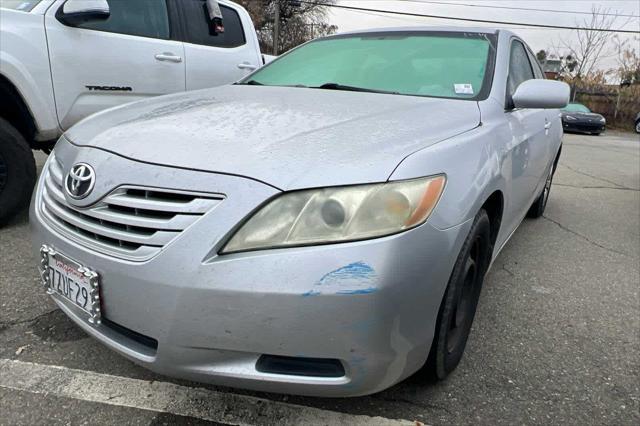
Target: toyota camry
x=322 y=227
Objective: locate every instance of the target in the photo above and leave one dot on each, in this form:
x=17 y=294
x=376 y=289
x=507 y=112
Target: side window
x=200 y=28
x=144 y=18
x=537 y=68
x=519 y=68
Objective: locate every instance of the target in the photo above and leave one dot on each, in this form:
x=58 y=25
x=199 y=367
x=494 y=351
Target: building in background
x=552 y=68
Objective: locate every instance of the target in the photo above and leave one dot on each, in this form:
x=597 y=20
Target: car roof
x=422 y=29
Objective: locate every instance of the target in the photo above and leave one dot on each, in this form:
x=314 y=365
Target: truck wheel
x=17 y=172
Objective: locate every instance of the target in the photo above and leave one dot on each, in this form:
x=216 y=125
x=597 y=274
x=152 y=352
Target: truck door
x=217 y=58
x=98 y=64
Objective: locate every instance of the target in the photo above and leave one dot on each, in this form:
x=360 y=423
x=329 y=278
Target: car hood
x=583 y=115
x=289 y=138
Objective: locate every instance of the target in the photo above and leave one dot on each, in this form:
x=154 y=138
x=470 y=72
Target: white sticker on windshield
x=463 y=89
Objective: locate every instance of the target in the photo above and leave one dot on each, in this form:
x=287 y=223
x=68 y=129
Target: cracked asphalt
x=556 y=339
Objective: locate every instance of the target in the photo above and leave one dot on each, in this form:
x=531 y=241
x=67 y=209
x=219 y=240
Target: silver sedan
x=322 y=227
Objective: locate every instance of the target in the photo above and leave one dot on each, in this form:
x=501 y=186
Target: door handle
x=247 y=66
x=168 y=57
x=547 y=126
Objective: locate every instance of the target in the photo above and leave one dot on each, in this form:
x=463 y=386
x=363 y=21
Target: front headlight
x=340 y=214
x=603 y=120
x=570 y=118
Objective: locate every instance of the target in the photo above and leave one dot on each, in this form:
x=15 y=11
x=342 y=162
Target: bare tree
x=299 y=21
x=628 y=58
x=582 y=54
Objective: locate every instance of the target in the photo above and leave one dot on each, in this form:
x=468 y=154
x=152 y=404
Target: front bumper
x=212 y=317
x=583 y=127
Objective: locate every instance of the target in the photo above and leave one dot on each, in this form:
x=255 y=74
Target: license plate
x=74 y=283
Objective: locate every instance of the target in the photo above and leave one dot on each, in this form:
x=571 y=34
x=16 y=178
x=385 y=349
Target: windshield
x=23 y=5
x=576 y=108
x=450 y=65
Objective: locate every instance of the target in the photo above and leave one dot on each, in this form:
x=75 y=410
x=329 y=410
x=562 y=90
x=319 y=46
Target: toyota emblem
x=80 y=181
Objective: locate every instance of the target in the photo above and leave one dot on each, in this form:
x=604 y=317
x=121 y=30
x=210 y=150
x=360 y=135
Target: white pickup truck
x=62 y=60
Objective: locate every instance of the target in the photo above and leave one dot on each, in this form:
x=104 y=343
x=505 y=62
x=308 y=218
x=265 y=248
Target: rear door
x=100 y=64
x=213 y=58
x=530 y=142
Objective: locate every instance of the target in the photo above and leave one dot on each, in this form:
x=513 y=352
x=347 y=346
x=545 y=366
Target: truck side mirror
x=215 y=15
x=75 y=12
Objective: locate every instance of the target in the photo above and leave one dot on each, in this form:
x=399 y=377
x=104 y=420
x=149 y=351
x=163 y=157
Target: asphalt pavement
x=556 y=339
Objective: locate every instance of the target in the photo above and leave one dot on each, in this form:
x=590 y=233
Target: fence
x=620 y=106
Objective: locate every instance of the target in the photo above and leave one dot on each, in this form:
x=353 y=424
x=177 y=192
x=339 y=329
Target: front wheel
x=460 y=301
x=638 y=126
x=17 y=172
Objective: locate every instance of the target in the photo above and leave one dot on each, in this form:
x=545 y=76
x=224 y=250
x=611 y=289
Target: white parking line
x=169 y=398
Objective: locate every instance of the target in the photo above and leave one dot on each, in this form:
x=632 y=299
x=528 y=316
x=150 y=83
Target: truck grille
x=132 y=223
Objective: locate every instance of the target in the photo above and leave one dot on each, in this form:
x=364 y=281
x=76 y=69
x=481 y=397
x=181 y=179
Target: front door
x=529 y=147
x=101 y=64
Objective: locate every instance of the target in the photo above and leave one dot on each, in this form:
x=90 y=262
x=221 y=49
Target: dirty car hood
x=290 y=138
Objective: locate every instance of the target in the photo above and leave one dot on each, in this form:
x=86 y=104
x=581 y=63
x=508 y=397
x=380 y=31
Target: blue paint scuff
x=352 y=279
x=355 y=271
x=363 y=291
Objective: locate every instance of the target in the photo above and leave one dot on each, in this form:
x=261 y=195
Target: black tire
x=538 y=207
x=638 y=126
x=460 y=300
x=17 y=172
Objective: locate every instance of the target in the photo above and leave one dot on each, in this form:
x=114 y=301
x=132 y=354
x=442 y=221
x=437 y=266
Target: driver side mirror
x=75 y=12
x=542 y=94
x=215 y=16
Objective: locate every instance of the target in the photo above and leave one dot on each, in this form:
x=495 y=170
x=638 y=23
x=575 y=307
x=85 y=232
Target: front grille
x=133 y=223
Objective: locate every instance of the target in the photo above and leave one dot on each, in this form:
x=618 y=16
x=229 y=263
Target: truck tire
x=17 y=172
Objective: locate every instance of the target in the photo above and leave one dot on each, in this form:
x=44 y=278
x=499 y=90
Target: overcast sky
x=347 y=20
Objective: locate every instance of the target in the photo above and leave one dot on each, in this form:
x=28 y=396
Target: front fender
x=24 y=61
x=471 y=162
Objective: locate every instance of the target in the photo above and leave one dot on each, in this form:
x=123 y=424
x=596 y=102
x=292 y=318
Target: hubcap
x=465 y=299
x=4 y=173
x=638 y=127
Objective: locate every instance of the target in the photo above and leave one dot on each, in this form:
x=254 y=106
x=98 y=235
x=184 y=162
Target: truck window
x=200 y=28
x=145 y=18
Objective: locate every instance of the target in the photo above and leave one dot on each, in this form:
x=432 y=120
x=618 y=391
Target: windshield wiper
x=257 y=83
x=336 y=86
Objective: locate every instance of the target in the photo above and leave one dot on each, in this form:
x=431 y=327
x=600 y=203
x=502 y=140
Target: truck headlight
x=339 y=214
